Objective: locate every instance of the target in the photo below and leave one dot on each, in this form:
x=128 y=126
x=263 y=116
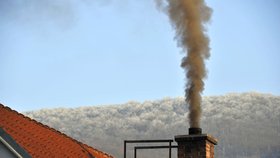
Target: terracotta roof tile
x=42 y=141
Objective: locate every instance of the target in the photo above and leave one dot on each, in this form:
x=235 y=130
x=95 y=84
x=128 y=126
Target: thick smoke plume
x=188 y=18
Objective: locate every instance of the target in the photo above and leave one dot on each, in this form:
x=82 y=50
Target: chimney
x=196 y=144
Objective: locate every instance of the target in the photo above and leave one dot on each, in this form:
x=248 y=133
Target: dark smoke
x=188 y=18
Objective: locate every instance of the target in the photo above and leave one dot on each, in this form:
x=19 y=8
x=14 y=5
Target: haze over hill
x=246 y=125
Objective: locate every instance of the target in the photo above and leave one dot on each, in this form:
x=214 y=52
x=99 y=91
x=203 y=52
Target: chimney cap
x=198 y=137
x=195 y=130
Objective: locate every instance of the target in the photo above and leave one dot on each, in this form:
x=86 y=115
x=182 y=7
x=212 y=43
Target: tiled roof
x=42 y=141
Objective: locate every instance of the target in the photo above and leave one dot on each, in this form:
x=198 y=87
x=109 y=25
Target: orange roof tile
x=42 y=141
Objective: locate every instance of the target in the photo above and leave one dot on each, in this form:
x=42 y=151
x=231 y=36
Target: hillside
x=246 y=125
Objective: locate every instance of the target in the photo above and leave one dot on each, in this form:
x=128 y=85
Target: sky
x=71 y=53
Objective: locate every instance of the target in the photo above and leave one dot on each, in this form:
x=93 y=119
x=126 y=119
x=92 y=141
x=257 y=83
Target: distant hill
x=246 y=125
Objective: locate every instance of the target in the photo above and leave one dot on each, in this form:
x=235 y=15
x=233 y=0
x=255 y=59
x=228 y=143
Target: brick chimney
x=196 y=144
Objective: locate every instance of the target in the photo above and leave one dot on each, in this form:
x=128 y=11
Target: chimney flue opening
x=193 y=131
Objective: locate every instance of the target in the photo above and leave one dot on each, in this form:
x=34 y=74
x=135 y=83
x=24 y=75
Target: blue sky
x=70 y=53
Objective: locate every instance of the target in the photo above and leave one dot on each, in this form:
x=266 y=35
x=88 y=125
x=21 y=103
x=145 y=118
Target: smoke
x=38 y=13
x=188 y=18
x=61 y=13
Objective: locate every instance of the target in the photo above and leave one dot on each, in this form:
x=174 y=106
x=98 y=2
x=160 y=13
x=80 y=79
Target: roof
x=8 y=142
x=39 y=140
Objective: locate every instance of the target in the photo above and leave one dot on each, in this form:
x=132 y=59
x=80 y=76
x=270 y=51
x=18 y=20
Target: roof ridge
x=54 y=130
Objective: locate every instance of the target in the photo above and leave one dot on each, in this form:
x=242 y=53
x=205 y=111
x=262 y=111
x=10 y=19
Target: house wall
x=5 y=152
